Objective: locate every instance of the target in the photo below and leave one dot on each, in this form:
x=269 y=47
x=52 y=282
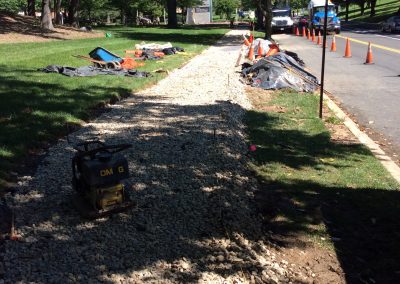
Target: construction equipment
x=102 y=58
x=97 y=172
x=100 y=63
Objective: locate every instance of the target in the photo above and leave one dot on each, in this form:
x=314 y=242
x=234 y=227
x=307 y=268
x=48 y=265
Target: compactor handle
x=112 y=149
x=86 y=144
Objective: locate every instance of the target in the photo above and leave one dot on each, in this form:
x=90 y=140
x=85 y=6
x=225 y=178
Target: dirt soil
x=15 y=29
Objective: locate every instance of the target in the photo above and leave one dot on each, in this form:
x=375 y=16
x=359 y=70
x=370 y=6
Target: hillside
x=16 y=28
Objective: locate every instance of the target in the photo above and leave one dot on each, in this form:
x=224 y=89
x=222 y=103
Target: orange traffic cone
x=333 y=45
x=368 y=60
x=260 y=51
x=308 y=34
x=273 y=49
x=304 y=31
x=250 y=55
x=347 y=52
x=297 y=31
x=319 y=38
x=251 y=38
x=246 y=41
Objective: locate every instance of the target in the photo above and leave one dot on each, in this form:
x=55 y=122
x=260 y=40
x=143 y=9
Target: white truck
x=316 y=14
x=281 y=19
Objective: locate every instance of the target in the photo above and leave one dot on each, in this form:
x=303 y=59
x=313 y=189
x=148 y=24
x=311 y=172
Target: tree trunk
x=183 y=15
x=347 y=11
x=268 y=20
x=46 y=22
x=172 y=20
x=57 y=11
x=123 y=17
x=265 y=7
x=260 y=19
x=362 y=7
x=373 y=4
x=165 y=21
x=73 y=13
x=31 y=8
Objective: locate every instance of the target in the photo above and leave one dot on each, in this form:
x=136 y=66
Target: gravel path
x=195 y=220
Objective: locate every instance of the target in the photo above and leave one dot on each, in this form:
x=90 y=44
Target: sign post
x=321 y=96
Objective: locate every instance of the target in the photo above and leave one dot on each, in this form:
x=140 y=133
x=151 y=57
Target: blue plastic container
x=102 y=54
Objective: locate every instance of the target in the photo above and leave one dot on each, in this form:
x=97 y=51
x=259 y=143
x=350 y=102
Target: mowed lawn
x=36 y=107
x=383 y=10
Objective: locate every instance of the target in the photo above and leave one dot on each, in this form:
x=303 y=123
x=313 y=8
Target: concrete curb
x=386 y=161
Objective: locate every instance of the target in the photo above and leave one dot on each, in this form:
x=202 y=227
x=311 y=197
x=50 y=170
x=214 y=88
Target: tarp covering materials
x=90 y=71
x=280 y=71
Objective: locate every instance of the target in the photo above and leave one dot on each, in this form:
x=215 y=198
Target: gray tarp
x=89 y=71
x=280 y=71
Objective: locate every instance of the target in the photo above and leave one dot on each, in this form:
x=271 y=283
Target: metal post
x=321 y=96
x=211 y=10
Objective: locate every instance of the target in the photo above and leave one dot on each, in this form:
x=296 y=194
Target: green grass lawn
x=36 y=106
x=384 y=9
x=331 y=194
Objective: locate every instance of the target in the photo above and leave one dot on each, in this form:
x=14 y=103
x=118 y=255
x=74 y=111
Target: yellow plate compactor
x=98 y=172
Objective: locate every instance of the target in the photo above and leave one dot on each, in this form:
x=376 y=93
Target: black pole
x=321 y=96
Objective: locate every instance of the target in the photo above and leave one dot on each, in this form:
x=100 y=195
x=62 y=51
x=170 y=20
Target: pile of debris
x=270 y=68
x=107 y=63
x=153 y=51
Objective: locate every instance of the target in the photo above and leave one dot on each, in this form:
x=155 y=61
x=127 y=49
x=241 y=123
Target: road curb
x=385 y=160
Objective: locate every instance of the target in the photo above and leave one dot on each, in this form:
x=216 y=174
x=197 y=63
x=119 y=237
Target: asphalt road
x=371 y=93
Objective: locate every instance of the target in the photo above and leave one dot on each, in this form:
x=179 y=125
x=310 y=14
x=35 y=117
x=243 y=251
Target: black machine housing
x=98 y=170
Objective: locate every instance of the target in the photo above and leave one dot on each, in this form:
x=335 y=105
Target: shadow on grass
x=381 y=12
x=27 y=25
x=189 y=34
x=360 y=218
x=35 y=111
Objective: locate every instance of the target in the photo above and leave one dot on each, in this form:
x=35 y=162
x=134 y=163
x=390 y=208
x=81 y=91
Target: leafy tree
x=89 y=7
x=124 y=6
x=225 y=7
x=12 y=6
x=298 y=4
x=152 y=8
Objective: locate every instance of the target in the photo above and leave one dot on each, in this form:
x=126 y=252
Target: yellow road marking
x=372 y=44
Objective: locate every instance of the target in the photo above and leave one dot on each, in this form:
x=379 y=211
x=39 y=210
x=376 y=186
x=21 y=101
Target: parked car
x=391 y=25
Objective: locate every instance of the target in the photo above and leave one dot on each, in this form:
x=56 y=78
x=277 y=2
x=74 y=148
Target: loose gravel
x=195 y=221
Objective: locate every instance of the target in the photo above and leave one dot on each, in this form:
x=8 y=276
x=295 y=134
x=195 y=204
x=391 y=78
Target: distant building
x=200 y=14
